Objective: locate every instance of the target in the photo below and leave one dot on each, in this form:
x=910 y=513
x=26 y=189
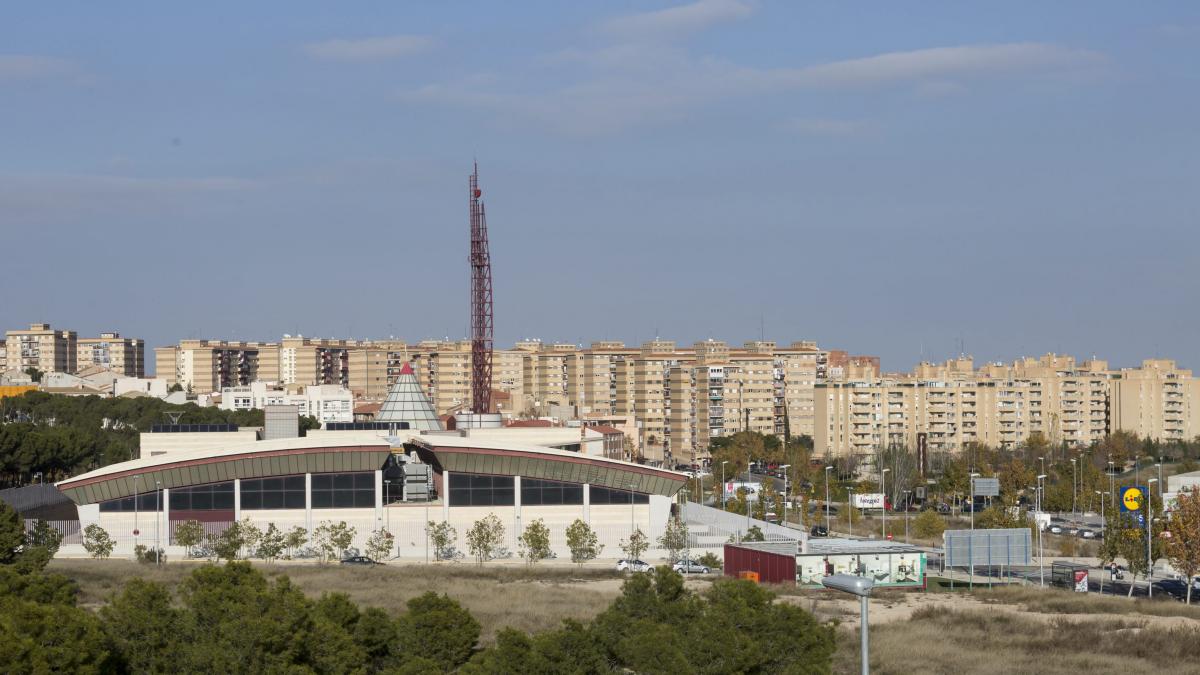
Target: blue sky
x=889 y=178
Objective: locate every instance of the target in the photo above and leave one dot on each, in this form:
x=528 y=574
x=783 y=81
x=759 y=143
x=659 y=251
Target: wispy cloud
x=670 y=82
x=369 y=49
x=30 y=195
x=26 y=66
x=675 y=21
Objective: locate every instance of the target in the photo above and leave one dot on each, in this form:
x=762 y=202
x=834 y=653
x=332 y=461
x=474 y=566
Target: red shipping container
x=772 y=567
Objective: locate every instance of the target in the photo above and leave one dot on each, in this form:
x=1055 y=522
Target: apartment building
x=1000 y=405
x=207 y=366
x=41 y=347
x=122 y=355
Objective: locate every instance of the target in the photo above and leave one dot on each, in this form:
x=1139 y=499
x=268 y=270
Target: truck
x=870 y=500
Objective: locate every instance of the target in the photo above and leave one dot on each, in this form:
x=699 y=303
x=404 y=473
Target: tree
x=45 y=537
x=636 y=545
x=754 y=533
x=189 y=535
x=929 y=525
x=445 y=632
x=271 y=544
x=295 y=538
x=442 y=537
x=674 y=539
x=227 y=544
x=1183 y=547
x=251 y=535
x=144 y=627
x=12 y=535
x=97 y=542
x=341 y=536
x=484 y=537
x=583 y=542
x=379 y=544
x=535 y=541
x=902 y=474
x=52 y=638
x=34 y=374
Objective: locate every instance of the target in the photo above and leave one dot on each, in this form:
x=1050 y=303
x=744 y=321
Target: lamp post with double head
x=723 y=463
x=1041 y=495
x=971 y=548
x=1149 y=538
x=1074 y=494
x=784 y=469
x=883 y=488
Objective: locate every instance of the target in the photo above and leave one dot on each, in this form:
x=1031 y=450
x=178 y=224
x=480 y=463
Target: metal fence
x=712 y=528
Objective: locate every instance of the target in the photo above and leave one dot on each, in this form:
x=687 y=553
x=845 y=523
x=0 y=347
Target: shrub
x=444 y=631
x=711 y=561
x=582 y=541
x=535 y=541
x=149 y=556
x=97 y=542
x=189 y=535
x=484 y=537
x=929 y=525
x=441 y=537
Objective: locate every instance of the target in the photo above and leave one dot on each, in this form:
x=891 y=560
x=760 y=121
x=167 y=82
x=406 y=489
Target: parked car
x=819 y=531
x=359 y=560
x=1056 y=529
x=634 y=565
x=1087 y=534
x=689 y=567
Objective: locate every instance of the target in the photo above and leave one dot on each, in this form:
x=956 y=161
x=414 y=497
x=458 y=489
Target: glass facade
x=342 y=490
x=282 y=492
x=536 y=492
x=211 y=497
x=603 y=495
x=468 y=489
x=146 y=502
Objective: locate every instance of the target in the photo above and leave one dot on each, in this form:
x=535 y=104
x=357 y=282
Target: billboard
x=889 y=569
x=1132 y=499
x=987 y=487
x=869 y=500
x=1002 y=546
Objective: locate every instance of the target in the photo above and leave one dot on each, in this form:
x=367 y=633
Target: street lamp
x=136 y=479
x=827 y=527
x=784 y=469
x=1103 y=531
x=1043 y=464
x=157 y=518
x=1041 y=497
x=883 y=488
x=860 y=586
x=906 y=492
x=971 y=548
x=850 y=510
x=723 y=484
x=1074 y=497
x=1149 y=537
x=1160 y=480
x=1112 y=485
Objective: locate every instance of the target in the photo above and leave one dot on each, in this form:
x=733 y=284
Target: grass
x=942 y=640
x=1059 y=601
x=534 y=600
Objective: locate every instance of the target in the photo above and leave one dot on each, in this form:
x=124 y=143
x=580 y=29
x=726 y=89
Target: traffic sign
x=136 y=532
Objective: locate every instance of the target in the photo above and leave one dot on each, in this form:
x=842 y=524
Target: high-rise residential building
x=40 y=347
x=1001 y=405
x=122 y=355
x=207 y=366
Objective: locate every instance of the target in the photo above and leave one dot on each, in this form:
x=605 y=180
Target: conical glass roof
x=406 y=402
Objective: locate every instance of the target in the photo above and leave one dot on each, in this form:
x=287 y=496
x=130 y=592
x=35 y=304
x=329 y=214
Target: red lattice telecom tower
x=481 y=304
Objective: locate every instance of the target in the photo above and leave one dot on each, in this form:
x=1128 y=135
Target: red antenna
x=481 y=304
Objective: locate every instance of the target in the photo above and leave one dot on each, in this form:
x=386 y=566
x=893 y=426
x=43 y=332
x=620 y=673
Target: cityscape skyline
x=717 y=169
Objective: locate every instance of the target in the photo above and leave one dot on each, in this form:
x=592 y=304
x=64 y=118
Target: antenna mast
x=481 y=304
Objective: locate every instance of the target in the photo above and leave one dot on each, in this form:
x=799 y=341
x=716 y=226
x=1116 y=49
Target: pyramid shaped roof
x=406 y=402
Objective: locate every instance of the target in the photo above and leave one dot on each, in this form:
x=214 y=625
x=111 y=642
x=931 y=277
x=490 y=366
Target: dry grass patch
x=942 y=640
x=533 y=600
x=1059 y=601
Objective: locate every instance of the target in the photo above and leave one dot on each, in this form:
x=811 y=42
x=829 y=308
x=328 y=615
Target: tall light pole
x=1103 y=531
x=1160 y=480
x=157 y=518
x=1112 y=481
x=136 y=478
x=723 y=463
x=1074 y=497
x=971 y=548
x=827 y=526
x=1043 y=464
x=784 y=469
x=1040 y=497
x=850 y=510
x=906 y=515
x=860 y=586
x=883 y=487
x=1137 y=460
x=1149 y=538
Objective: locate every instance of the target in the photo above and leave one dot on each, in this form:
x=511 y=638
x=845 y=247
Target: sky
x=909 y=180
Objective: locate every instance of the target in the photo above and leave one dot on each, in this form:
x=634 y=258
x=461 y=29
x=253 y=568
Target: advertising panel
x=888 y=569
x=1132 y=501
x=869 y=500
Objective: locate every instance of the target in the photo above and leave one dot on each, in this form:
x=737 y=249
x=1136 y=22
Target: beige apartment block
x=40 y=347
x=126 y=356
x=1157 y=401
x=1000 y=405
x=206 y=366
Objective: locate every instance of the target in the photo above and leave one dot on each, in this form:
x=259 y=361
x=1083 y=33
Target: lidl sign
x=1133 y=498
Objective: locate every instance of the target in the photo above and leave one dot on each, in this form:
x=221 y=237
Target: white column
x=516 y=510
x=308 y=502
x=587 y=503
x=237 y=499
x=378 y=499
x=445 y=495
x=166 y=518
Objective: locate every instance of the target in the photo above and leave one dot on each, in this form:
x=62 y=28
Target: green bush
x=711 y=561
x=929 y=525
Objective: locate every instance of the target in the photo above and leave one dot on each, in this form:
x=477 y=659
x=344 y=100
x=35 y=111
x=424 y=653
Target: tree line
x=231 y=618
x=53 y=437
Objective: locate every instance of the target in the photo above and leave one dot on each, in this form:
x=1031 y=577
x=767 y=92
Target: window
x=468 y=489
x=211 y=497
x=343 y=490
x=603 y=495
x=536 y=492
x=280 y=492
